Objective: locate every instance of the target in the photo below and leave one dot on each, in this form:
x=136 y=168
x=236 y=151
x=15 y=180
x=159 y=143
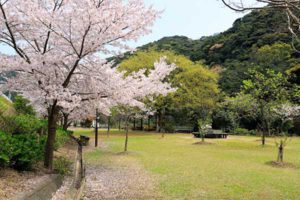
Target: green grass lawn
x=228 y=169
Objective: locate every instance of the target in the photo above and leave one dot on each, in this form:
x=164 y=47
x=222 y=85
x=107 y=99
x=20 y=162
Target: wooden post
x=108 y=126
x=96 y=129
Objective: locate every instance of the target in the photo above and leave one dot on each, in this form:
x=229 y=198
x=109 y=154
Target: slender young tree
x=266 y=89
x=285 y=112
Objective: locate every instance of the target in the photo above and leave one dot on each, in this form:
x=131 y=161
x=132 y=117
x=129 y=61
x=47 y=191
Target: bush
x=61 y=138
x=21 y=151
x=22 y=106
x=169 y=127
x=62 y=165
x=5 y=149
x=242 y=131
x=21 y=124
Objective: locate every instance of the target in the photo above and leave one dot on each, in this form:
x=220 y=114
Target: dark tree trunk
x=96 y=129
x=108 y=126
x=148 y=123
x=263 y=137
x=66 y=123
x=133 y=123
x=119 y=124
x=162 y=122
x=142 y=124
x=158 y=122
x=52 y=125
x=280 y=152
x=126 y=137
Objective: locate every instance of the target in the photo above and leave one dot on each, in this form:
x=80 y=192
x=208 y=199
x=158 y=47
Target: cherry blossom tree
x=58 y=45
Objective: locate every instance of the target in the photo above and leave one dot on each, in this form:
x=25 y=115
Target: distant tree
x=204 y=123
x=266 y=89
x=276 y=56
x=240 y=107
x=197 y=86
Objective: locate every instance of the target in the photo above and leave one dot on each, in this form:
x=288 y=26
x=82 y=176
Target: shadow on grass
x=203 y=143
x=281 y=165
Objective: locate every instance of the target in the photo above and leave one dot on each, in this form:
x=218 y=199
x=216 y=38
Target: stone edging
x=44 y=191
x=75 y=194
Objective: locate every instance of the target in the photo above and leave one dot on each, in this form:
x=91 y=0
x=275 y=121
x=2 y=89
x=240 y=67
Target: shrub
x=22 y=106
x=5 y=149
x=21 y=124
x=169 y=127
x=242 y=131
x=61 y=138
x=21 y=151
x=253 y=132
x=62 y=165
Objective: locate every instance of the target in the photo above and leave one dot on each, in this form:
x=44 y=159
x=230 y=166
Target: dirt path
x=116 y=176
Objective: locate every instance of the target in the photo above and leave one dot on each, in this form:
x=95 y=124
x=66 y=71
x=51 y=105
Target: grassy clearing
x=228 y=169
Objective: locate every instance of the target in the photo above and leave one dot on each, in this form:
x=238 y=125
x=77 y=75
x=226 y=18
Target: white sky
x=191 y=18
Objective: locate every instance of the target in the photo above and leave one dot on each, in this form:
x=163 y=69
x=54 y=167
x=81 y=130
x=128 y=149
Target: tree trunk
x=126 y=137
x=119 y=124
x=142 y=124
x=263 y=138
x=158 y=122
x=148 y=123
x=96 y=129
x=65 y=121
x=133 y=123
x=280 y=152
x=108 y=126
x=202 y=137
x=49 y=147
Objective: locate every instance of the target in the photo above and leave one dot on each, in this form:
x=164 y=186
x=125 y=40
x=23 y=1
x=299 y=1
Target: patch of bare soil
x=281 y=164
x=118 y=183
x=13 y=182
x=203 y=143
x=118 y=177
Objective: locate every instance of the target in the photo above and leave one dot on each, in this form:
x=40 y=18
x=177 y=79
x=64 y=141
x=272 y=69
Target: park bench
x=211 y=134
x=183 y=129
x=84 y=140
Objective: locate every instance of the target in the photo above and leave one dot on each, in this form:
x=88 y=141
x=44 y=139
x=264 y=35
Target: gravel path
x=114 y=182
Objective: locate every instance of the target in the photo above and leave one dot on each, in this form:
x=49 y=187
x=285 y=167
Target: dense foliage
x=196 y=84
x=21 y=151
x=259 y=38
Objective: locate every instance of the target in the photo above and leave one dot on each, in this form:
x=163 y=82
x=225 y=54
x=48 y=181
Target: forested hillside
x=261 y=38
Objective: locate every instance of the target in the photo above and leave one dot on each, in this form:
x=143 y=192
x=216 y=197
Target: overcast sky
x=191 y=18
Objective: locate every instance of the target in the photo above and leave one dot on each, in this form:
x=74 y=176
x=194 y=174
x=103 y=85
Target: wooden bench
x=183 y=129
x=211 y=134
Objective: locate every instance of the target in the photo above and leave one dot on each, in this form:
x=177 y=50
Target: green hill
x=234 y=49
